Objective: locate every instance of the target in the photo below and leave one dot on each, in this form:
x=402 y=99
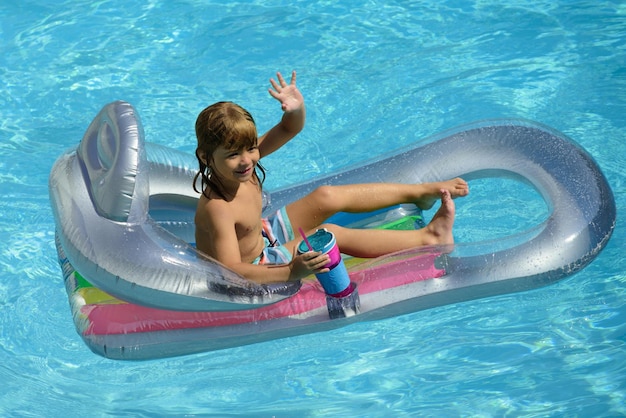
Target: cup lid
x=322 y=240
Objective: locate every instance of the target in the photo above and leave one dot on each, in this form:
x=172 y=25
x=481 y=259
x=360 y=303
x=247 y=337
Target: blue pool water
x=376 y=75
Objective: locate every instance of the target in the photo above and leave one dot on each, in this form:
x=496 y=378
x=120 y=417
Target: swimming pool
x=376 y=76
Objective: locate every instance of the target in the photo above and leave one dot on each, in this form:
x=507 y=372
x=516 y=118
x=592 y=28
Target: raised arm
x=292 y=122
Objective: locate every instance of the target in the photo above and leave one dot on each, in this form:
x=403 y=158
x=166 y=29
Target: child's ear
x=202 y=157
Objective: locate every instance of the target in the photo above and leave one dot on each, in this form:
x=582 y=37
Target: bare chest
x=247 y=209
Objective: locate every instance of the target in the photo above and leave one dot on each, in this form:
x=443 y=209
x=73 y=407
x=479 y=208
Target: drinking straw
x=306 y=241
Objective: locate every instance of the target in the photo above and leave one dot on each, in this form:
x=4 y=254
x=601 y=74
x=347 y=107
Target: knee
x=325 y=198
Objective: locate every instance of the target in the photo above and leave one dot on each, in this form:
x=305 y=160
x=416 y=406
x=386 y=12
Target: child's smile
x=237 y=166
x=245 y=172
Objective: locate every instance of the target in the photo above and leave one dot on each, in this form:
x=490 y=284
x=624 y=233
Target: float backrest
x=112 y=154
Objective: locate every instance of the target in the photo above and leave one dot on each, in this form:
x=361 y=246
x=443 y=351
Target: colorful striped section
x=102 y=314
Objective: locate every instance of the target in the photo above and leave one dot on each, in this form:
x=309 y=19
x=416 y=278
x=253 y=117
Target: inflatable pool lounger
x=139 y=289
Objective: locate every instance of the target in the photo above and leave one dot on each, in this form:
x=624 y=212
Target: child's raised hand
x=288 y=95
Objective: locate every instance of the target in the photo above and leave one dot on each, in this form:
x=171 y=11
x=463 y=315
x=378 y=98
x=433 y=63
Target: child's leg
x=313 y=209
x=370 y=243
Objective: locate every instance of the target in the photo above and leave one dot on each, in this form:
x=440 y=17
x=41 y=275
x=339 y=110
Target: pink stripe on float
x=128 y=318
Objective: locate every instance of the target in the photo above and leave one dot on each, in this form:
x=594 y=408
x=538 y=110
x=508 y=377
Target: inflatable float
x=138 y=289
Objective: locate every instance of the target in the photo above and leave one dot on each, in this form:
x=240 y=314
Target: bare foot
x=439 y=230
x=456 y=187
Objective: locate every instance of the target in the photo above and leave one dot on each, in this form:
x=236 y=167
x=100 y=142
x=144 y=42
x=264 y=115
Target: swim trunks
x=277 y=231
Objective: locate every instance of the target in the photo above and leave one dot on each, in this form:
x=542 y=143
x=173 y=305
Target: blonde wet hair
x=227 y=125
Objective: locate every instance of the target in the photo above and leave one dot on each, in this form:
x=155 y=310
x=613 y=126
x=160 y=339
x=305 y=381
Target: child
x=228 y=220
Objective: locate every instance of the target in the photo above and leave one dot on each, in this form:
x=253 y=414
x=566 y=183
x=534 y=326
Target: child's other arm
x=217 y=238
x=292 y=122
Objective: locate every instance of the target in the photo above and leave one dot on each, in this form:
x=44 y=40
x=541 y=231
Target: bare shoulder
x=215 y=230
x=213 y=212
